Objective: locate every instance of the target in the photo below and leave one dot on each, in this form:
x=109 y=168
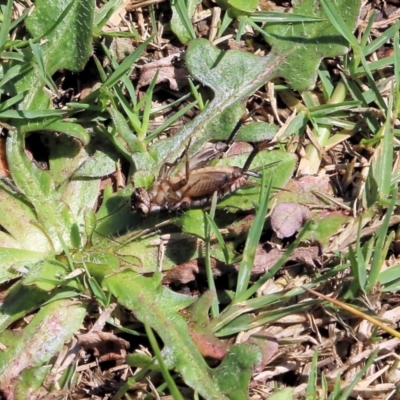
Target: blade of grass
x=182 y=11
x=326 y=82
x=226 y=21
x=344 y=30
x=378 y=42
x=5 y=24
x=127 y=83
x=396 y=71
x=356 y=379
x=379 y=254
x=127 y=64
x=249 y=252
x=104 y=14
x=219 y=237
x=209 y=272
x=252 y=290
x=367 y=31
x=282 y=17
x=197 y=95
x=164 y=370
x=311 y=392
x=169 y=122
x=147 y=108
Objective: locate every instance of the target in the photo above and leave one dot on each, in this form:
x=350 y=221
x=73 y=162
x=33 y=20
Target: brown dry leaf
x=267 y=256
x=4 y=171
x=105 y=345
x=168 y=71
x=287 y=218
x=188 y=271
x=183 y=273
x=240 y=227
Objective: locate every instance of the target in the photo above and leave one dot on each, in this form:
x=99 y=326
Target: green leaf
x=46 y=274
x=181 y=24
x=159 y=307
x=70 y=43
x=246 y=6
x=18 y=219
x=232 y=75
x=325 y=225
x=256 y=132
x=69 y=128
x=122 y=129
x=53 y=214
x=236 y=369
x=97 y=166
x=192 y=222
x=15 y=262
x=5 y=26
x=305 y=45
x=65 y=27
x=53 y=325
x=285 y=394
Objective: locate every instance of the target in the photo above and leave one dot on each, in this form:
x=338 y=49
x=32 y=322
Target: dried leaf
x=267 y=256
x=105 y=345
x=188 y=271
x=287 y=218
x=168 y=71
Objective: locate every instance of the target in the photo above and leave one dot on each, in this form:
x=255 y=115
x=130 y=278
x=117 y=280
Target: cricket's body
x=193 y=186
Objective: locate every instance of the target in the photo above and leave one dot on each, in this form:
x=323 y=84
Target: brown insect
x=193 y=185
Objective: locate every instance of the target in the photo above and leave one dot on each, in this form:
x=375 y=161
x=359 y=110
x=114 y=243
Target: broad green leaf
x=232 y=75
x=325 y=225
x=66 y=27
x=29 y=381
x=192 y=222
x=115 y=214
x=239 y=7
x=15 y=262
x=97 y=166
x=256 y=132
x=157 y=306
x=54 y=215
x=20 y=300
x=181 y=21
x=18 y=219
x=70 y=43
x=53 y=325
x=46 y=274
x=306 y=44
x=236 y=369
x=285 y=394
x=69 y=128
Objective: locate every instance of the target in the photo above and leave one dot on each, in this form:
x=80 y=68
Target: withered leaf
x=287 y=218
x=168 y=71
x=105 y=345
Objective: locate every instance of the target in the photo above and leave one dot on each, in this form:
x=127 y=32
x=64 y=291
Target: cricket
x=193 y=185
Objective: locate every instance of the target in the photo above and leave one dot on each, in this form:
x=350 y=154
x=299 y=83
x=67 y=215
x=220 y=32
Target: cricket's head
x=141 y=201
